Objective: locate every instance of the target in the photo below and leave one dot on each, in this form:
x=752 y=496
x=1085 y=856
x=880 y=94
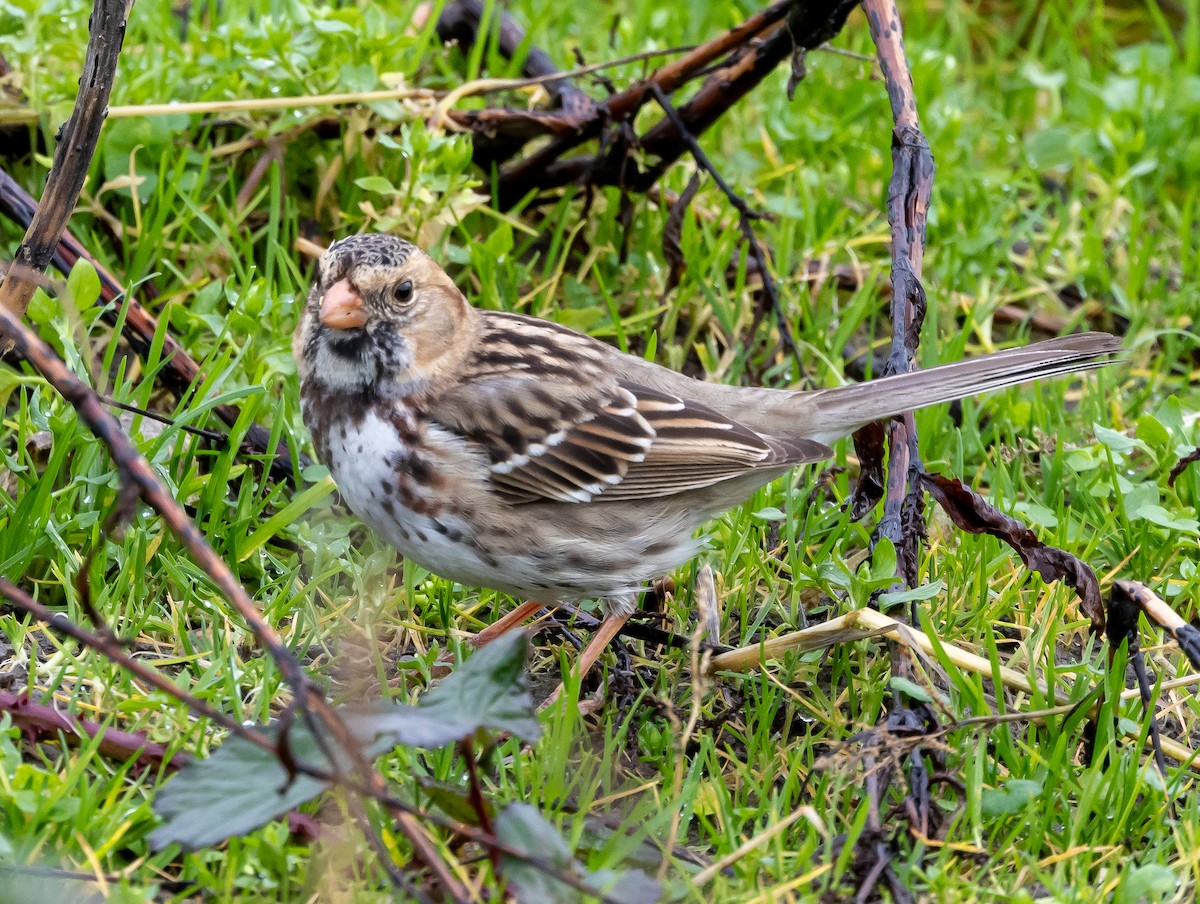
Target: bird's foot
x=608 y=629
x=512 y=620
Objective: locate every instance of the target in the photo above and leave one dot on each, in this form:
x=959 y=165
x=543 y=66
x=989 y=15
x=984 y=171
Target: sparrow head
x=381 y=316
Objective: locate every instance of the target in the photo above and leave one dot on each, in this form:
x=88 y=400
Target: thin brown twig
x=746 y=218
x=42 y=722
x=112 y=648
x=902 y=522
x=135 y=470
x=754 y=50
x=1182 y=465
x=76 y=144
x=210 y=435
x=806 y=27
x=273 y=154
x=475 y=796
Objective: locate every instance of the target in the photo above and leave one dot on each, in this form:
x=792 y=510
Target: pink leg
x=608 y=629
x=513 y=620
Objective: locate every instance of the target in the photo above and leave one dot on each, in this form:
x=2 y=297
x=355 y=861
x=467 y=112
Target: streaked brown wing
x=554 y=440
x=695 y=447
x=546 y=437
x=582 y=460
x=542 y=404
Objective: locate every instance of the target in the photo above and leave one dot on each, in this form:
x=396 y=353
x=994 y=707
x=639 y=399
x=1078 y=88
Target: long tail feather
x=832 y=413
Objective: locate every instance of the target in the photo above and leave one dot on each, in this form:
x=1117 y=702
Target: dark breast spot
x=450 y=533
x=404 y=424
x=415 y=503
x=420 y=470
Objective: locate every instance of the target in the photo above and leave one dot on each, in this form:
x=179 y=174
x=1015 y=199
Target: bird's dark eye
x=404 y=292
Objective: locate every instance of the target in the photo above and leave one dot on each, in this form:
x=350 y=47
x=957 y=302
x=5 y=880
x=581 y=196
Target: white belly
x=577 y=561
x=365 y=469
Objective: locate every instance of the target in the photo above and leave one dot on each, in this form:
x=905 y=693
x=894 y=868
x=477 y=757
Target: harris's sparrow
x=505 y=451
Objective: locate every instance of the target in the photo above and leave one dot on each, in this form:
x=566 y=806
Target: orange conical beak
x=341 y=308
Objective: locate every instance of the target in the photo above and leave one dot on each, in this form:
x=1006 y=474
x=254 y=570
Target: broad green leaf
x=1150 y=882
x=883 y=561
x=1156 y=514
x=1010 y=799
x=1116 y=440
x=377 y=184
x=236 y=790
x=923 y=592
x=83 y=285
x=242 y=786
x=489 y=690
x=42 y=307
x=1152 y=432
x=522 y=828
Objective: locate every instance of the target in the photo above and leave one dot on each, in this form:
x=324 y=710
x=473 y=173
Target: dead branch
x=908 y=204
x=1160 y=613
x=545 y=169
x=109 y=646
x=902 y=521
x=972 y=513
x=807 y=26
x=1126 y=600
x=460 y=22
x=76 y=144
x=498 y=134
x=180 y=372
x=41 y=722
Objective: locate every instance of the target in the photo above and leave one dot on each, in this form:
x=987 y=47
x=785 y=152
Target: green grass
x=1068 y=159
